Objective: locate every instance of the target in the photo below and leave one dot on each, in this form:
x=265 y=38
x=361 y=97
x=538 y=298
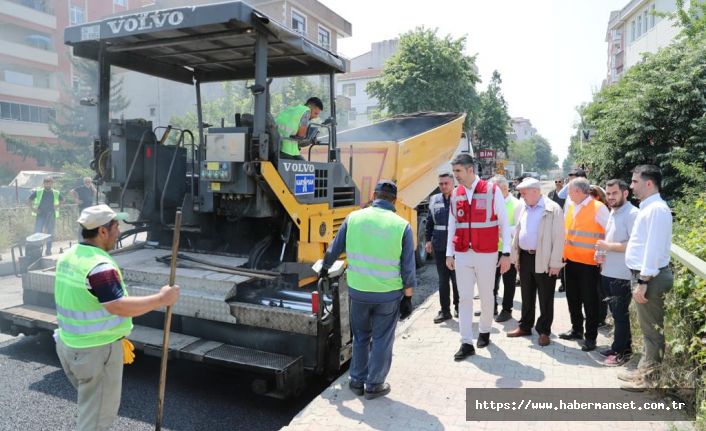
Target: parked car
x=534 y=175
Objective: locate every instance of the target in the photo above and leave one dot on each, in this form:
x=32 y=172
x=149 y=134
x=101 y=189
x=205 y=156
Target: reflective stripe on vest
x=287 y=125
x=582 y=233
x=374 y=249
x=437 y=227
x=83 y=322
x=39 y=193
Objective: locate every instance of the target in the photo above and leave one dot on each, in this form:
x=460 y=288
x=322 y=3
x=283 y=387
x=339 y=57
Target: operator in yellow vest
x=294 y=121
x=585 y=223
x=512 y=210
x=44 y=203
x=381 y=273
x=94 y=315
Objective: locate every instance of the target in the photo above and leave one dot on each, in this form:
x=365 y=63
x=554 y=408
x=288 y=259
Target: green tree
x=74 y=125
x=524 y=153
x=428 y=73
x=492 y=121
x=545 y=159
x=655 y=114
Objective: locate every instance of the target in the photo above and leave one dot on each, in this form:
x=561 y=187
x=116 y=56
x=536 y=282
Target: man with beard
x=615 y=275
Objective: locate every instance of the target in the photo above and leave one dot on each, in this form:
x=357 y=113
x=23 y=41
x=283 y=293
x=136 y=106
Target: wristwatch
x=506 y=254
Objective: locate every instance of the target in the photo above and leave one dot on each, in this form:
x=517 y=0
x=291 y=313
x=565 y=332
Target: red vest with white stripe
x=476 y=223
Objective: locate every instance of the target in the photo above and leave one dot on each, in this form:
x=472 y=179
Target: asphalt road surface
x=35 y=394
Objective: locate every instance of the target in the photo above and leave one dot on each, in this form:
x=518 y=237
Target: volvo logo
x=298 y=167
x=145 y=21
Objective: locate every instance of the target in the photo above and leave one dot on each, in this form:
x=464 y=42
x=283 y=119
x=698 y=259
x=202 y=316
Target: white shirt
x=602 y=214
x=529 y=225
x=651 y=237
x=498 y=209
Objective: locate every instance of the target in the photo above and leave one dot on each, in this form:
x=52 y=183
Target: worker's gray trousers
x=373 y=327
x=97 y=374
x=651 y=319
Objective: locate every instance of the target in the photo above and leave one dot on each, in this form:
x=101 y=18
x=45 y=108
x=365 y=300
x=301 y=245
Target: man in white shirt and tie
x=647 y=256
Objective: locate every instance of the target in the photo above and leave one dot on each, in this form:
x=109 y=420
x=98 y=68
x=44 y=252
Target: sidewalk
x=429 y=388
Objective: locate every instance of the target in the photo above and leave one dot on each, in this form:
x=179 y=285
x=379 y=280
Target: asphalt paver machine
x=253 y=224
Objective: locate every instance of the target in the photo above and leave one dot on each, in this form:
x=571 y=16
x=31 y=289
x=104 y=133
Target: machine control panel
x=217 y=171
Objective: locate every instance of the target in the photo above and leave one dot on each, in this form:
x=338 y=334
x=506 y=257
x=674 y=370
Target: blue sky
x=551 y=53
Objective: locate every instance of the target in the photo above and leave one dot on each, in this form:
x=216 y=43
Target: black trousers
x=445 y=275
x=508 y=286
x=582 y=293
x=533 y=285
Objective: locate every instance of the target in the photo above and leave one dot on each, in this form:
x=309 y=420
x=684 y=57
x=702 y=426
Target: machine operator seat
x=247 y=120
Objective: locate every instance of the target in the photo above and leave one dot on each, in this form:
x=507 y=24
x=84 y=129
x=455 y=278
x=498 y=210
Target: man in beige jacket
x=537 y=249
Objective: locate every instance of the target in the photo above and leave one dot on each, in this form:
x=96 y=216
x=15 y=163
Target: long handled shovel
x=167 y=325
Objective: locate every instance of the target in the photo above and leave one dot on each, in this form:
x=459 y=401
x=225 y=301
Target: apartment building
x=636 y=29
x=521 y=129
x=351 y=86
x=35 y=70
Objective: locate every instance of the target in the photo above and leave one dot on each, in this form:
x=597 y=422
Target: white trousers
x=475 y=269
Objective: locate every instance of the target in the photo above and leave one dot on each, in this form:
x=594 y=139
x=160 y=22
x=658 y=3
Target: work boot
x=465 y=351
x=441 y=317
x=378 y=391
x=629 y=376
x=483 y=340
x=504 y=316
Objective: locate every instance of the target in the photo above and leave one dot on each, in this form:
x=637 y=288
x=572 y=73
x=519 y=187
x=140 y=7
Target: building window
x=19 y=78
x=324 y=38
x=26 y=113
x=153 y=112
x=645 y=22
x=352 y=115
x=652 y=16
x=120 y=3
x=632 y=31
x=371 y=110
x=39 y=41
x=348 y=90
x=639 y=26
x=76 y=15
x=298 y=22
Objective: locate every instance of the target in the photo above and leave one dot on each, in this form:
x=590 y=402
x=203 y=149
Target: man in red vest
x=478 y=219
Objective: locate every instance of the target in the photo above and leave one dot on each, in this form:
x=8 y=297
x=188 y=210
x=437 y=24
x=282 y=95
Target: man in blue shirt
x=380 y=286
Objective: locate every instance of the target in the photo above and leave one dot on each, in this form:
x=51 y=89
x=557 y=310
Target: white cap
x=529 y=183
x=98 y=215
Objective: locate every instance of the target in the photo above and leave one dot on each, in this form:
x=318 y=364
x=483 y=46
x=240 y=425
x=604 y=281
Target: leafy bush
x=685 y=318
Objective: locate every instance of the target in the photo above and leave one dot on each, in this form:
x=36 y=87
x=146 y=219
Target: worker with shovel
x=94 y=315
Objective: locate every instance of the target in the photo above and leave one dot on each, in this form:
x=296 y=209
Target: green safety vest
x=510 y=211
x=38 y=198
x=374 y=249
x=83 y=321
x=287 y=125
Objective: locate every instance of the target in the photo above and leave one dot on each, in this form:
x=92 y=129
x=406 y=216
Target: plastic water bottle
x=600 y=255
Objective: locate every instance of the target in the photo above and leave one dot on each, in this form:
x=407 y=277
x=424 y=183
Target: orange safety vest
x=582 y=233
x=476 y=223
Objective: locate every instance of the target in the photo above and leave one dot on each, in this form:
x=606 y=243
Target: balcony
x=36 y=93
x=21 y=128
x=29 y=53
x=37 y=15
